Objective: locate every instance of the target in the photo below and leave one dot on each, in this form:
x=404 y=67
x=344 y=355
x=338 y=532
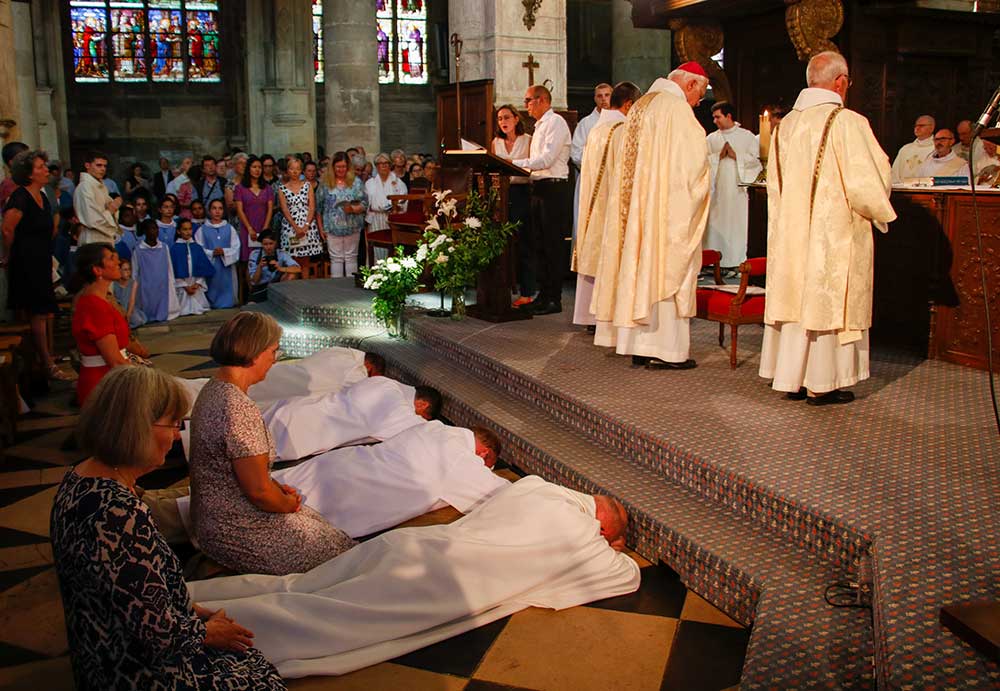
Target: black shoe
x=546 y=308
x=656 y=363
x=799 y=395
x=832 y=397
x=592 y=329
x=639 y=360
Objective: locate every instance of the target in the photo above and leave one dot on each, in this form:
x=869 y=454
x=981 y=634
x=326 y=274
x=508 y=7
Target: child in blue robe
x=222 y=243
x=197 y=215
x=128 y=240
x=126 y=290
x=192 y=270
x=152 y=268
x=165 y=223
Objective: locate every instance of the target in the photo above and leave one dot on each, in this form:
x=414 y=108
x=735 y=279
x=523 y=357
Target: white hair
x=825 y=67
x=683 y=78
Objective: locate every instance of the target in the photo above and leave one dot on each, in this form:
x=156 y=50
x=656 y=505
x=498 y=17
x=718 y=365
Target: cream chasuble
x=909 y=159
x=608 y=239
x=591 y=209
x=820 y=246
x=665 y=199
x=727 y=217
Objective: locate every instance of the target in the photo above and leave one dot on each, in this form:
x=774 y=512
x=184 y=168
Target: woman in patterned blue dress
x=130 y=621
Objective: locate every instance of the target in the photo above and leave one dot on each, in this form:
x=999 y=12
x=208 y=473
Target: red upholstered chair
x=733 y=308
x=406 y=228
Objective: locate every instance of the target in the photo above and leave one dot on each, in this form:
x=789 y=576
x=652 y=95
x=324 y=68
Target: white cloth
x=90 y=204
x=980 y=160
x=582 y=315
x=191 y=304
x=729 y=210
x=521 y=149
x=374 y=408
x=549 y=152
x=910 y=158
x=365 y=489
x=666 y=336
x=176 y=183
x=794 y=357
x=378 y=199
x=531 y=544
x=951 y=165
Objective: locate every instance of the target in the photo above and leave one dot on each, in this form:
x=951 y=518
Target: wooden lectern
x=486 y=172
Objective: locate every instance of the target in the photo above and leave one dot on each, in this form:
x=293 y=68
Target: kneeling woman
x=242 y=518
x=129 y=617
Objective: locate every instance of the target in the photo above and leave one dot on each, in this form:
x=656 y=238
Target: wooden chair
x=406 y=228
x=732 y=308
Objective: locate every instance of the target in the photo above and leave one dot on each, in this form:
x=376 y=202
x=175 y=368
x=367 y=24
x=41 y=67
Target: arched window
x=400 y=36
x=145 y=40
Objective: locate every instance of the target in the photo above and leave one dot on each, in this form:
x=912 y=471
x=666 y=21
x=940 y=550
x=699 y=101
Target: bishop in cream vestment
x=820 y=246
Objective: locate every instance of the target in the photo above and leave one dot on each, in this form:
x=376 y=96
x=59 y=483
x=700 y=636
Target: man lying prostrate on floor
x=374 y=409
x=531 y=544
x=365 y=489
x=325 y=371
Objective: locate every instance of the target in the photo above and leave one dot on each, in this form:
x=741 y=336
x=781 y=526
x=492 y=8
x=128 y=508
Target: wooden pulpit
x=485 y=172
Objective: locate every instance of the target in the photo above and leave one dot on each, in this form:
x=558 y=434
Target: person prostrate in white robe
x=602 y=101
x=376 y=408
x=531 y=544
x=944 y=162
x=912 y=155
x=593 y=184
x=734 y=158
x=192 y=269
x=365 y=489
x=828 y=181
x=664 y=194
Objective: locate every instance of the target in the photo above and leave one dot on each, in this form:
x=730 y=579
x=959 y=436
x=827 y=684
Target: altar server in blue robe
x=222 y=243
x=128 y=240
x=192 y=270
x=152 y=268
x=166 y=224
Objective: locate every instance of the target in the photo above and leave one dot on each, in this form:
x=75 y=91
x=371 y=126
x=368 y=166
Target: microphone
x=984 y=120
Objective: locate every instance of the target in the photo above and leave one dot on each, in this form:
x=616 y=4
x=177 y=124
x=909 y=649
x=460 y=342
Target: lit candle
x=765 y=135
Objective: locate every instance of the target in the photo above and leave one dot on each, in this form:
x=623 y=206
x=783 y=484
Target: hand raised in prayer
x=218 y=252
x=727 y=152
x=191 y=290
x=222 y=633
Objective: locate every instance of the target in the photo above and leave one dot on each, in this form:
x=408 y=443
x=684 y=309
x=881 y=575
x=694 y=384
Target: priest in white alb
x=734 y=158
x=93 y=206
x=944 y=162
x=912 y=155
x=828 y=182
x=663 y=199
x=602 y=101
x=532 y=544
x=594 y=182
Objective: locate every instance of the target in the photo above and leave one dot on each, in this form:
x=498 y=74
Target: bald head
x=540 y=92
x=693 y=85
x=487 y=445
x=828 y=70
x=924 y=127
x=613 y=519
x=964 y=131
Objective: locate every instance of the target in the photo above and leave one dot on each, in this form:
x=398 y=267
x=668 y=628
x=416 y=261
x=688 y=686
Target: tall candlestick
x=765 y=135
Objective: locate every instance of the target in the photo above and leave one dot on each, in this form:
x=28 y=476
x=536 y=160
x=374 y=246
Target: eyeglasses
x=278 y=354
x=850 y=82
x=529 y=100
x=944 y=139
x=176 y=426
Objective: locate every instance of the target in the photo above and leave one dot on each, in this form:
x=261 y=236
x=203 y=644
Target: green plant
x=393 y=279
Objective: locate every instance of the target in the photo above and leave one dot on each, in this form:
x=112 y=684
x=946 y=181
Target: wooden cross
x=530 y=65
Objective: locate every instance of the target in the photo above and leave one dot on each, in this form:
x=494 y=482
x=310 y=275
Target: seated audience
x=130 y=619
x=530 y=544
x=100 y=330
x=268 y=264
x=152 y=268
x=192 y=271
x=126 y=290
x=222 y=243
x=241 y=517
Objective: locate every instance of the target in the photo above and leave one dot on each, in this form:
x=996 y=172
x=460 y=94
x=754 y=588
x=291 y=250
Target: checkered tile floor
x=661 y=637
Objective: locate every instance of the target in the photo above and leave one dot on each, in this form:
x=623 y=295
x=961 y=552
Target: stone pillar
x=50 y=79
x=24 y=49
x=496 y=42
x=9 y=107
x=638 y=55
x=281 y=91
x=350 y=76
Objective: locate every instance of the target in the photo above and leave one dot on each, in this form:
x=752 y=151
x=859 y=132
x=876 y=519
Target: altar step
x=757 y=577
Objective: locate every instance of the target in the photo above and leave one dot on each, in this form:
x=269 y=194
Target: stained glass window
x=401 y=36
x=142 y=40
x=317 y=17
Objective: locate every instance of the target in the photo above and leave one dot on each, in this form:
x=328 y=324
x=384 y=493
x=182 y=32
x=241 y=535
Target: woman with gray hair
x=242 y=518
x=28 y=229
x=130 y=620
x=378 y=188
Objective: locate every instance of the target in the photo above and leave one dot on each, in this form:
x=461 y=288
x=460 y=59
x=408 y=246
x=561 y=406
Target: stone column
x=24 y=48
x=638 y=55
x=9 y=107
x=350 y=75
x=50 y=79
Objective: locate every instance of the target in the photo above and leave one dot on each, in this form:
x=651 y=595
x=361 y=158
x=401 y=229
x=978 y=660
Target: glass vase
x=458 y=305
x=396 y=325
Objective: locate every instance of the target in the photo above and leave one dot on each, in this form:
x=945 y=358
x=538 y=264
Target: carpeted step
x=798 y=641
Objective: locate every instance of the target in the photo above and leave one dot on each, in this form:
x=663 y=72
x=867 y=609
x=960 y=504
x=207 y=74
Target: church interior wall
x=588 y=51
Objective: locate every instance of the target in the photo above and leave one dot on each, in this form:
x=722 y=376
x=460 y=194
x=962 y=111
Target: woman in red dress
x=99 y=328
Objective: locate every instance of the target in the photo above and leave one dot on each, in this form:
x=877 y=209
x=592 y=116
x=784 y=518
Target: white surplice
x=909 y=159
x=950 y=165
x=729 y=210
x=197 y=303
x=365 y=489
x=90 y=204
x=376 y=408
x=531 y=544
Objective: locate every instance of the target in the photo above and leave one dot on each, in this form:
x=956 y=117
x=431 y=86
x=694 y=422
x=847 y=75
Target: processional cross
x=530 y=65
x=456 y=44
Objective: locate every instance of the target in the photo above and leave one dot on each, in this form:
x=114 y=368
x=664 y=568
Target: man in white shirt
x=912 y=155
x=602 y=101
x=551 y=196
x=944 y=162
x=93 y=205
x=734 y=158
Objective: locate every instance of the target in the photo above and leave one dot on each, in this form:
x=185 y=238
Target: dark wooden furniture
x=406 y=228
x=485 y=173
x=477 y=114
